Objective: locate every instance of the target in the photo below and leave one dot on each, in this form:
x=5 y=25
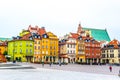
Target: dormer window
x=35 y=36
x=45 y=36
x=39 y=37
x=30 y=38
x=18 y=37
x=86 y=40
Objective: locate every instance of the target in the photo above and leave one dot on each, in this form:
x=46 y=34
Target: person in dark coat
x=50 y=64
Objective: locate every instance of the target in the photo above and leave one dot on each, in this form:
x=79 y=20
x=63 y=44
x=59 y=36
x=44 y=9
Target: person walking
x=119 y=73
x=43 y=64
x=50 y=64
x=110 y=68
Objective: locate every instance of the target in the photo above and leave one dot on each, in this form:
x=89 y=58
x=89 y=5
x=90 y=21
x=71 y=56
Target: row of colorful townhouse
x=34 y=45
x=87 y=45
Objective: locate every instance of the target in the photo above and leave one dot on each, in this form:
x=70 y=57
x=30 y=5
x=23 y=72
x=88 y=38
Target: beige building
x=111 y=52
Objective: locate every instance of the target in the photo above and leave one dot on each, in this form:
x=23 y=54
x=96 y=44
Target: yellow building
x=37 y=50
x=80 y=50
x=53 y=47
x=46 y=48
x=23 y=32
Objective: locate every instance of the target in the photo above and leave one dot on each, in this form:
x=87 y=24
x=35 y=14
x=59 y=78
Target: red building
x=92 y=51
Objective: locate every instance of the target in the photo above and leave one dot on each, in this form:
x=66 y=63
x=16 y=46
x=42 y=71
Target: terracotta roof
x=41 y=31
x=114 y=42
x=26 y=36
x=74 y=35
x=34 y=28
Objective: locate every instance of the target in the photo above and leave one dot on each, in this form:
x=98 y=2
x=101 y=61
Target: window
x=42 y=52
x=46 y=47
x=38 y=42
x=30 y=38
x=35 y=47
x=80 y=38
x=38 y=47
x=20 y=51
x=46 y=52
x=111 y=55
x=71 y=51
x=119 y=55
x=35 y=36
x=35 y=42
x=103 y=51
x=119 y=51
x=20 y=44
x=15 y=44
x=45 y=36
x=74 y=51
x=68 y=51
x=111 y=50
x=26 y=50
x=30 y=44
x=42 y=46
x=39 y=37
x=73 y=46
x=31 y=51
x=68 y=45
x=27 y=44
x=103 y=55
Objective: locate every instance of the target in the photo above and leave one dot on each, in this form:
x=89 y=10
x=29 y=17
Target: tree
x=5 y=53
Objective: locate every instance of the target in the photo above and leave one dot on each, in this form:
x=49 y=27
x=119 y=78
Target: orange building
x=3 y=48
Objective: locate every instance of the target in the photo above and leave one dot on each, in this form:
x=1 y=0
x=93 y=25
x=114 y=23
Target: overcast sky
x=59 y=16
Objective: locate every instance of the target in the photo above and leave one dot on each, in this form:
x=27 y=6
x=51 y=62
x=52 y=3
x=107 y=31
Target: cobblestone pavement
x=30 y=71
x=99 y=69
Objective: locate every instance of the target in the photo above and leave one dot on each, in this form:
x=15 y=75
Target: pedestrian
x=59 y=63
x=110 y=68
x=50 y=64
x=119 y=73
x=42 y=64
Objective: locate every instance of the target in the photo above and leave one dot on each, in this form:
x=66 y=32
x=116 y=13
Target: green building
x=21 y=50
x=99 y=34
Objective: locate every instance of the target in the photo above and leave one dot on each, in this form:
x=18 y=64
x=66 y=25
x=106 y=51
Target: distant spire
x=79 y=28
x=79 y=23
